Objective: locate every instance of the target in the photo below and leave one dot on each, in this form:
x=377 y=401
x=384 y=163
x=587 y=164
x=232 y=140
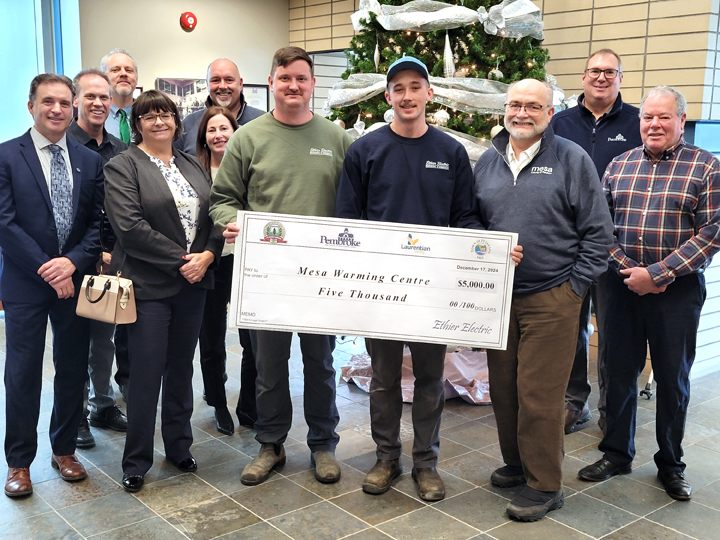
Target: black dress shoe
x=223 y=421
x=110 y=417
x=602 y=470
x=133 y=482
x=84 y=437
x=186 y=465
x=675 y=485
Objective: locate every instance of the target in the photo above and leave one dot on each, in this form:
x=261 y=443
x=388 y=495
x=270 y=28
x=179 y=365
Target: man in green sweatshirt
x=288 y=161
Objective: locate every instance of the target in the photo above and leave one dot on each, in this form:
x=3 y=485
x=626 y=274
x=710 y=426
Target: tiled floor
x=214 y=504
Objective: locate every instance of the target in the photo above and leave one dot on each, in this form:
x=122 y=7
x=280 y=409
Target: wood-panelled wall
x=669 y=42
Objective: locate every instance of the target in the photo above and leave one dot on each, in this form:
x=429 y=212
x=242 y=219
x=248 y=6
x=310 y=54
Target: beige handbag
x=108 y=299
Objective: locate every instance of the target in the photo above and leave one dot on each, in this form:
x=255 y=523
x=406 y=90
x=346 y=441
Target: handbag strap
x=90 y=283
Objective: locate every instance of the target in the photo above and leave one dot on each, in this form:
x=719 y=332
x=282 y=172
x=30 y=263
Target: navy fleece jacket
x=556 y=206
x=424 y=181
x=614 y=133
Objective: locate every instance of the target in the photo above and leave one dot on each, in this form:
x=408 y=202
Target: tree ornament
x=339 y=123
x=448 y=58
x=376 y=57
x=442 y=117
x=495 y=130
x=496 y=73
x=359 y=125
x=550 y=79
x=389 y=116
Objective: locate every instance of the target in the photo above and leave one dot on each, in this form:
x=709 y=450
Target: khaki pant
x=528 y=382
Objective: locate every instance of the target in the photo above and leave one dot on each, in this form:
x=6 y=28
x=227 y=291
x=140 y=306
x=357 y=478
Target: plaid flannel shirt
x=666 y=213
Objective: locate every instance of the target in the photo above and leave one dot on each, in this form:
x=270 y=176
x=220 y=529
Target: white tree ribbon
x=418 y=15
x=470 y=95
x=511 y=18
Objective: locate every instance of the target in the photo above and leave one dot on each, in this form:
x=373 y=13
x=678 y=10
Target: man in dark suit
x=51 y=192
x=92 y=101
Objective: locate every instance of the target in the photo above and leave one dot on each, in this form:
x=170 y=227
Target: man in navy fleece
x=546 y=189
x=605 y=126
x=407 y=172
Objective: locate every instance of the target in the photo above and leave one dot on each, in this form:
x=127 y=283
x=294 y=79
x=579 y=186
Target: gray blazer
x=150 y=237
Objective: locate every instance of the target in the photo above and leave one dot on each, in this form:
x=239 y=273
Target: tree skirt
x=466 y=375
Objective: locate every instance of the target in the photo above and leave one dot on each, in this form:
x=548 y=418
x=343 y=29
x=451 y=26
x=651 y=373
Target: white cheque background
x=440 y=290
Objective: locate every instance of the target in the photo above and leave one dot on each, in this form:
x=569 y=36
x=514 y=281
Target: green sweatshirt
x=269 y=166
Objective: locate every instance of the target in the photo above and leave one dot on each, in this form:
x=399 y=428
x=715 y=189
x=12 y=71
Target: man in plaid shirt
x=665 y=201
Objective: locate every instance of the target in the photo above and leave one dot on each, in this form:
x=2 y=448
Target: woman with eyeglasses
x=156 y=199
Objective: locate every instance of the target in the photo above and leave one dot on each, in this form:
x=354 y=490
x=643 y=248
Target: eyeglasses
x=530 y=108
x=151 y=118
x=610 y=74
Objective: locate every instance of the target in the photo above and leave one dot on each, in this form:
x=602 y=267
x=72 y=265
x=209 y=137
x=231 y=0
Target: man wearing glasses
x=546 y=189
x=605 y=127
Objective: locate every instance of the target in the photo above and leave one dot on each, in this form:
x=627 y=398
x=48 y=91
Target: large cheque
x=372 y=279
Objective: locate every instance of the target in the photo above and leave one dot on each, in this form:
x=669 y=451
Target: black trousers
x=122 y=357
x=213 y=356
x=247 y=402
x=25 y=327
x=162 y=344
x=668 y=323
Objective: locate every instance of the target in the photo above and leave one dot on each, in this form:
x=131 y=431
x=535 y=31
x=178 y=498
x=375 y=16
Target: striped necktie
x=61 y=195
x=124 y=127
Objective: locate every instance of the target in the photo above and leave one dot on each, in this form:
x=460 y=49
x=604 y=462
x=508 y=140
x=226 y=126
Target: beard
x=534 y=131
x=224 y=100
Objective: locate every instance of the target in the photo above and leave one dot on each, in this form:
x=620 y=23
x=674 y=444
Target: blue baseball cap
x=408 y=62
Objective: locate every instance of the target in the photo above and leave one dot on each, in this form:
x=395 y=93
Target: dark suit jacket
x=150 y=237
x=28 y=236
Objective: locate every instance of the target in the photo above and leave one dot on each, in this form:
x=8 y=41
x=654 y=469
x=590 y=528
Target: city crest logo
x=481 y=248
x=413 y=245
x=274 y=233
x=344 y=239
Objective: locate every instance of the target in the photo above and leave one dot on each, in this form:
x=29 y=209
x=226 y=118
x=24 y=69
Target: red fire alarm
x=188 y=21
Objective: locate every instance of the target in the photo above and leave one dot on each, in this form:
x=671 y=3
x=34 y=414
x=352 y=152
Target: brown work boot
x=258 y=470
x=326 y=466
x=70 y=468
x=430 y=486
x=18 y=482
x=380 y=477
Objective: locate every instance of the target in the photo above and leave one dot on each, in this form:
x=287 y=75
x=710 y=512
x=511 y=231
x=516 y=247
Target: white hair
x=680 y=103
x=104 y=61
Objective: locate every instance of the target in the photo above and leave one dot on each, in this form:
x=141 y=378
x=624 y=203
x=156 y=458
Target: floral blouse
x=186 y=199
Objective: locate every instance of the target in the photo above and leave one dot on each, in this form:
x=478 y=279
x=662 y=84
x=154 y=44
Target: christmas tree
x=475 y=53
